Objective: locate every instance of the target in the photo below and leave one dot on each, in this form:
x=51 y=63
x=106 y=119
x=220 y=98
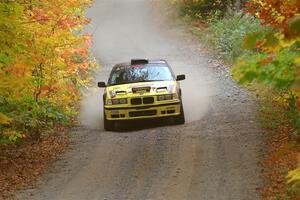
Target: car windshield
x=140 y=73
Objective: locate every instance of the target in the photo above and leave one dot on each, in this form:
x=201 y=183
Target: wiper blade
x=147 y=81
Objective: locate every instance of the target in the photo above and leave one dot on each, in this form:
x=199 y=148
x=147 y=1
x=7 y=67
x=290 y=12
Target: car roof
x=160 y=61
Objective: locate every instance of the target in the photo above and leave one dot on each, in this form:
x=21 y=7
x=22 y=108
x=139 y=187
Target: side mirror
x=101 y=84
x=180 y=77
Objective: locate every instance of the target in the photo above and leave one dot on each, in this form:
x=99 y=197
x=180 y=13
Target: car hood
x=143 y=88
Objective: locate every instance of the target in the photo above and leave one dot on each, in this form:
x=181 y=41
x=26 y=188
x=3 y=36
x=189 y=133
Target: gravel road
x=214 y=156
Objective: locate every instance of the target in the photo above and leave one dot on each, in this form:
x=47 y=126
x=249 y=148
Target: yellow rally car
x=142 y=89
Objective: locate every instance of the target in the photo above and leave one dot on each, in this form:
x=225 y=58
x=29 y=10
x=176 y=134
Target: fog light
x=114 y=112
x=109 y=102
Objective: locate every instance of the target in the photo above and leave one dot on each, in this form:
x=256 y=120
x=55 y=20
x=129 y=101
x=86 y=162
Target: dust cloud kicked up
x=131 y=31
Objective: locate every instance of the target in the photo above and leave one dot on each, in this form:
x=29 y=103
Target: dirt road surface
x=214 y=156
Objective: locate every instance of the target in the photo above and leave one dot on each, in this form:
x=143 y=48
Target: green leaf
x=248 y=77
x=251 y=40
x=297 y=122
x=4 y=58
x=271 y=40
x=5 y=119
x=294 y=25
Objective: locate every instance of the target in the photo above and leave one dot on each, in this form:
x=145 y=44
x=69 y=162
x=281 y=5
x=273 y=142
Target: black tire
x=108 y=125
x=180 y=119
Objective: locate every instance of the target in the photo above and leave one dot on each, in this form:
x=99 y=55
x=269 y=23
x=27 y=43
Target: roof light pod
x=139 y=61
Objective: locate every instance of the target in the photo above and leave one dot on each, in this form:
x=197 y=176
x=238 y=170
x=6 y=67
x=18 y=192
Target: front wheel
x=108 y=125
x=180 y=119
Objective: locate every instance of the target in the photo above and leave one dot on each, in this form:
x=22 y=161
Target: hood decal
x=161 y=86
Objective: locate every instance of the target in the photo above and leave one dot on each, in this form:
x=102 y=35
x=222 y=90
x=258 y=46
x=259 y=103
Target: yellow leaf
x=280 y=19
x=297 y=60
x=287 y=43
x=4 y=119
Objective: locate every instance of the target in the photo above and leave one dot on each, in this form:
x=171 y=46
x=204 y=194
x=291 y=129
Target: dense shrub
x=30 y=119
x=201 y=9
x=227 y=34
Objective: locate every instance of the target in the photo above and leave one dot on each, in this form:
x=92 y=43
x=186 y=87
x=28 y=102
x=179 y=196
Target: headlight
x=165 y=97
x=108 y=102
x=175 y=96
x=123 y=101
x=118 y=101
x=161 y=97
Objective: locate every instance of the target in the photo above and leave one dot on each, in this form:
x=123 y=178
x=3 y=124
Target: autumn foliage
x=275 y=62
x=278 y=61
x=276 y=13
x=44 y=61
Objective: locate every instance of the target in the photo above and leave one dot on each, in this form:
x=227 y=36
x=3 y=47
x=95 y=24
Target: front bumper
x=142 y=112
